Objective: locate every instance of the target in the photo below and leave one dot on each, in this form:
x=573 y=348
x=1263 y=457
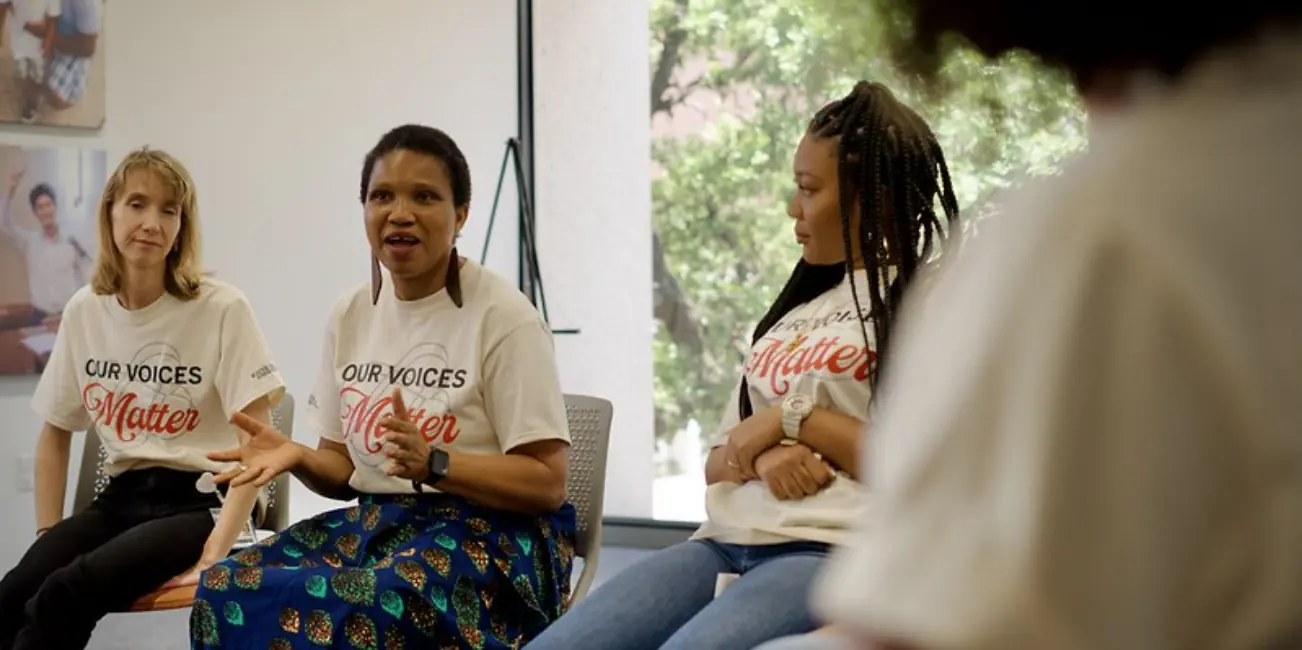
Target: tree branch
x=672 y=308
x=670 y=54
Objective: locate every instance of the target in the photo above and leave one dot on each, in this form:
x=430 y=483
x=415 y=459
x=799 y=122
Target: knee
x=20 y=585
x=63 y=585
x=13 y=587
x=14 y=593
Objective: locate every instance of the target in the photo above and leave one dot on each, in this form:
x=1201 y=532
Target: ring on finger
x=242 y=467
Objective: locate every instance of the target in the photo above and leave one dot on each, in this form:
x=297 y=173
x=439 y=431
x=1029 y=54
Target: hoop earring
x=377 y=280
x=453 y=279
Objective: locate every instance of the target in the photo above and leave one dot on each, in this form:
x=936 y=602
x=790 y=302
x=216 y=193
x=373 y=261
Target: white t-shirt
x=159 y=384
x=56 y=269
x=817 y=349
x=25 y=44
x=478 y=379
x=1092 y=439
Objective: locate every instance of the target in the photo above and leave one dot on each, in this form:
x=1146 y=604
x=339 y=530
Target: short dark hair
x=42 y=189
x=1088 y=37
x=431 y=142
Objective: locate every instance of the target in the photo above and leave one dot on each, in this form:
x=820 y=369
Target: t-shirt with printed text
x=817 y=349
x=158 y=384
x=480 y=378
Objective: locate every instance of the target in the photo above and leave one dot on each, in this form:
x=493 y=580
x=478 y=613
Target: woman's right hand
x=793 y=471
x=265 y=455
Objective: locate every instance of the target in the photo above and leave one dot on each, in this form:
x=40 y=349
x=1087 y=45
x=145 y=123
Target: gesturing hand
x=752 y=437
x=793 y=472
x=266 y=455
x=406 y=448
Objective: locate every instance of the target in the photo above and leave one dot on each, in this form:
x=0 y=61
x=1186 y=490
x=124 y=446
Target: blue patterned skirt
x=393 y=572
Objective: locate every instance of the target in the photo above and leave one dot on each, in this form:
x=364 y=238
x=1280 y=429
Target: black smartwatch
x=438 y=470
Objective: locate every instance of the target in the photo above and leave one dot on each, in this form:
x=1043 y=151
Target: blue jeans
x=666 y=602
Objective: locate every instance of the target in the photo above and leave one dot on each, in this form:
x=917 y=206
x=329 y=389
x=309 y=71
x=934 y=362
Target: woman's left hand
x=408 y=451
x=190 y=577
x=752 y=437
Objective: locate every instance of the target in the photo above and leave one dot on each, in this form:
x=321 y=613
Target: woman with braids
x=1092 y=437
x=438 y=407
x=783 y=474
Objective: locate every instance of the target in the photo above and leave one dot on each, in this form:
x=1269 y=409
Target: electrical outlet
x=26 y=473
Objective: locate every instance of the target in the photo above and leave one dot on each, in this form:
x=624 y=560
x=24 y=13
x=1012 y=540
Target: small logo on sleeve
x=264 y=371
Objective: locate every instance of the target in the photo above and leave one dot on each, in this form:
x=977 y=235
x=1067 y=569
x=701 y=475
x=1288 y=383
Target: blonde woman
x=155 y=359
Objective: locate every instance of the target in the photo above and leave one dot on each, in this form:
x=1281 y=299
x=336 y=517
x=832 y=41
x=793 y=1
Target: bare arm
x=838 y=437
x=47 y=35
x=239 y=500
x=51 y=475
x=82 y=45
x=528 y=479
x=7 y=207
x=717 y=470
x=325 y=470
x=87 y=17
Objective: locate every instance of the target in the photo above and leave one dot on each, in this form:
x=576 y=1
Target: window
x=733 y=83
x=80 y=181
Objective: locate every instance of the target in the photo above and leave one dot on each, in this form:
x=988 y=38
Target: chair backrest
x=91 y=478
x=589 y=420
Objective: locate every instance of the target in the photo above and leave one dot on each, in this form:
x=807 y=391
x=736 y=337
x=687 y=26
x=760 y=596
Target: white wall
x=593 y=172
x=272 y=106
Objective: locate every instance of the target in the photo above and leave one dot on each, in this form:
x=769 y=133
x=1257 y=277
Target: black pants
x=146 y=527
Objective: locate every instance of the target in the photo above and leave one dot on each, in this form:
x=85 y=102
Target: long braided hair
x=889 y=166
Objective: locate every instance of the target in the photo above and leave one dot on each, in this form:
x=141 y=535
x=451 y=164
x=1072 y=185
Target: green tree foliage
x=733 y=83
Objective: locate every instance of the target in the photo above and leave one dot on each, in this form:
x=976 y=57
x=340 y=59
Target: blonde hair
x=184 y=274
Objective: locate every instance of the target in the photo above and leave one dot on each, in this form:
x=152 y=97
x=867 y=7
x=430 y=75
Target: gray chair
x=273 y=516
x=589 y=420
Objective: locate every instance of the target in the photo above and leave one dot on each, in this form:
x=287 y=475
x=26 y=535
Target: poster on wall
x=52 y=62
x=49 y=201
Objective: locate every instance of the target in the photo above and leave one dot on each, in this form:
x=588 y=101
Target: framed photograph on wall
x=52 y=62
x=49 y=201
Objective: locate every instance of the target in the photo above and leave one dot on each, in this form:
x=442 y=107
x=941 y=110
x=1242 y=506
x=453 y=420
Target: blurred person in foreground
x=1092 y=438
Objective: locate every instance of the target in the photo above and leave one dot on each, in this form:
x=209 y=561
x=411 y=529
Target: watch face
x=799 y=402
x=438 y=463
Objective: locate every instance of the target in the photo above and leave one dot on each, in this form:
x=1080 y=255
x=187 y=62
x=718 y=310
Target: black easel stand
x=527 y=245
